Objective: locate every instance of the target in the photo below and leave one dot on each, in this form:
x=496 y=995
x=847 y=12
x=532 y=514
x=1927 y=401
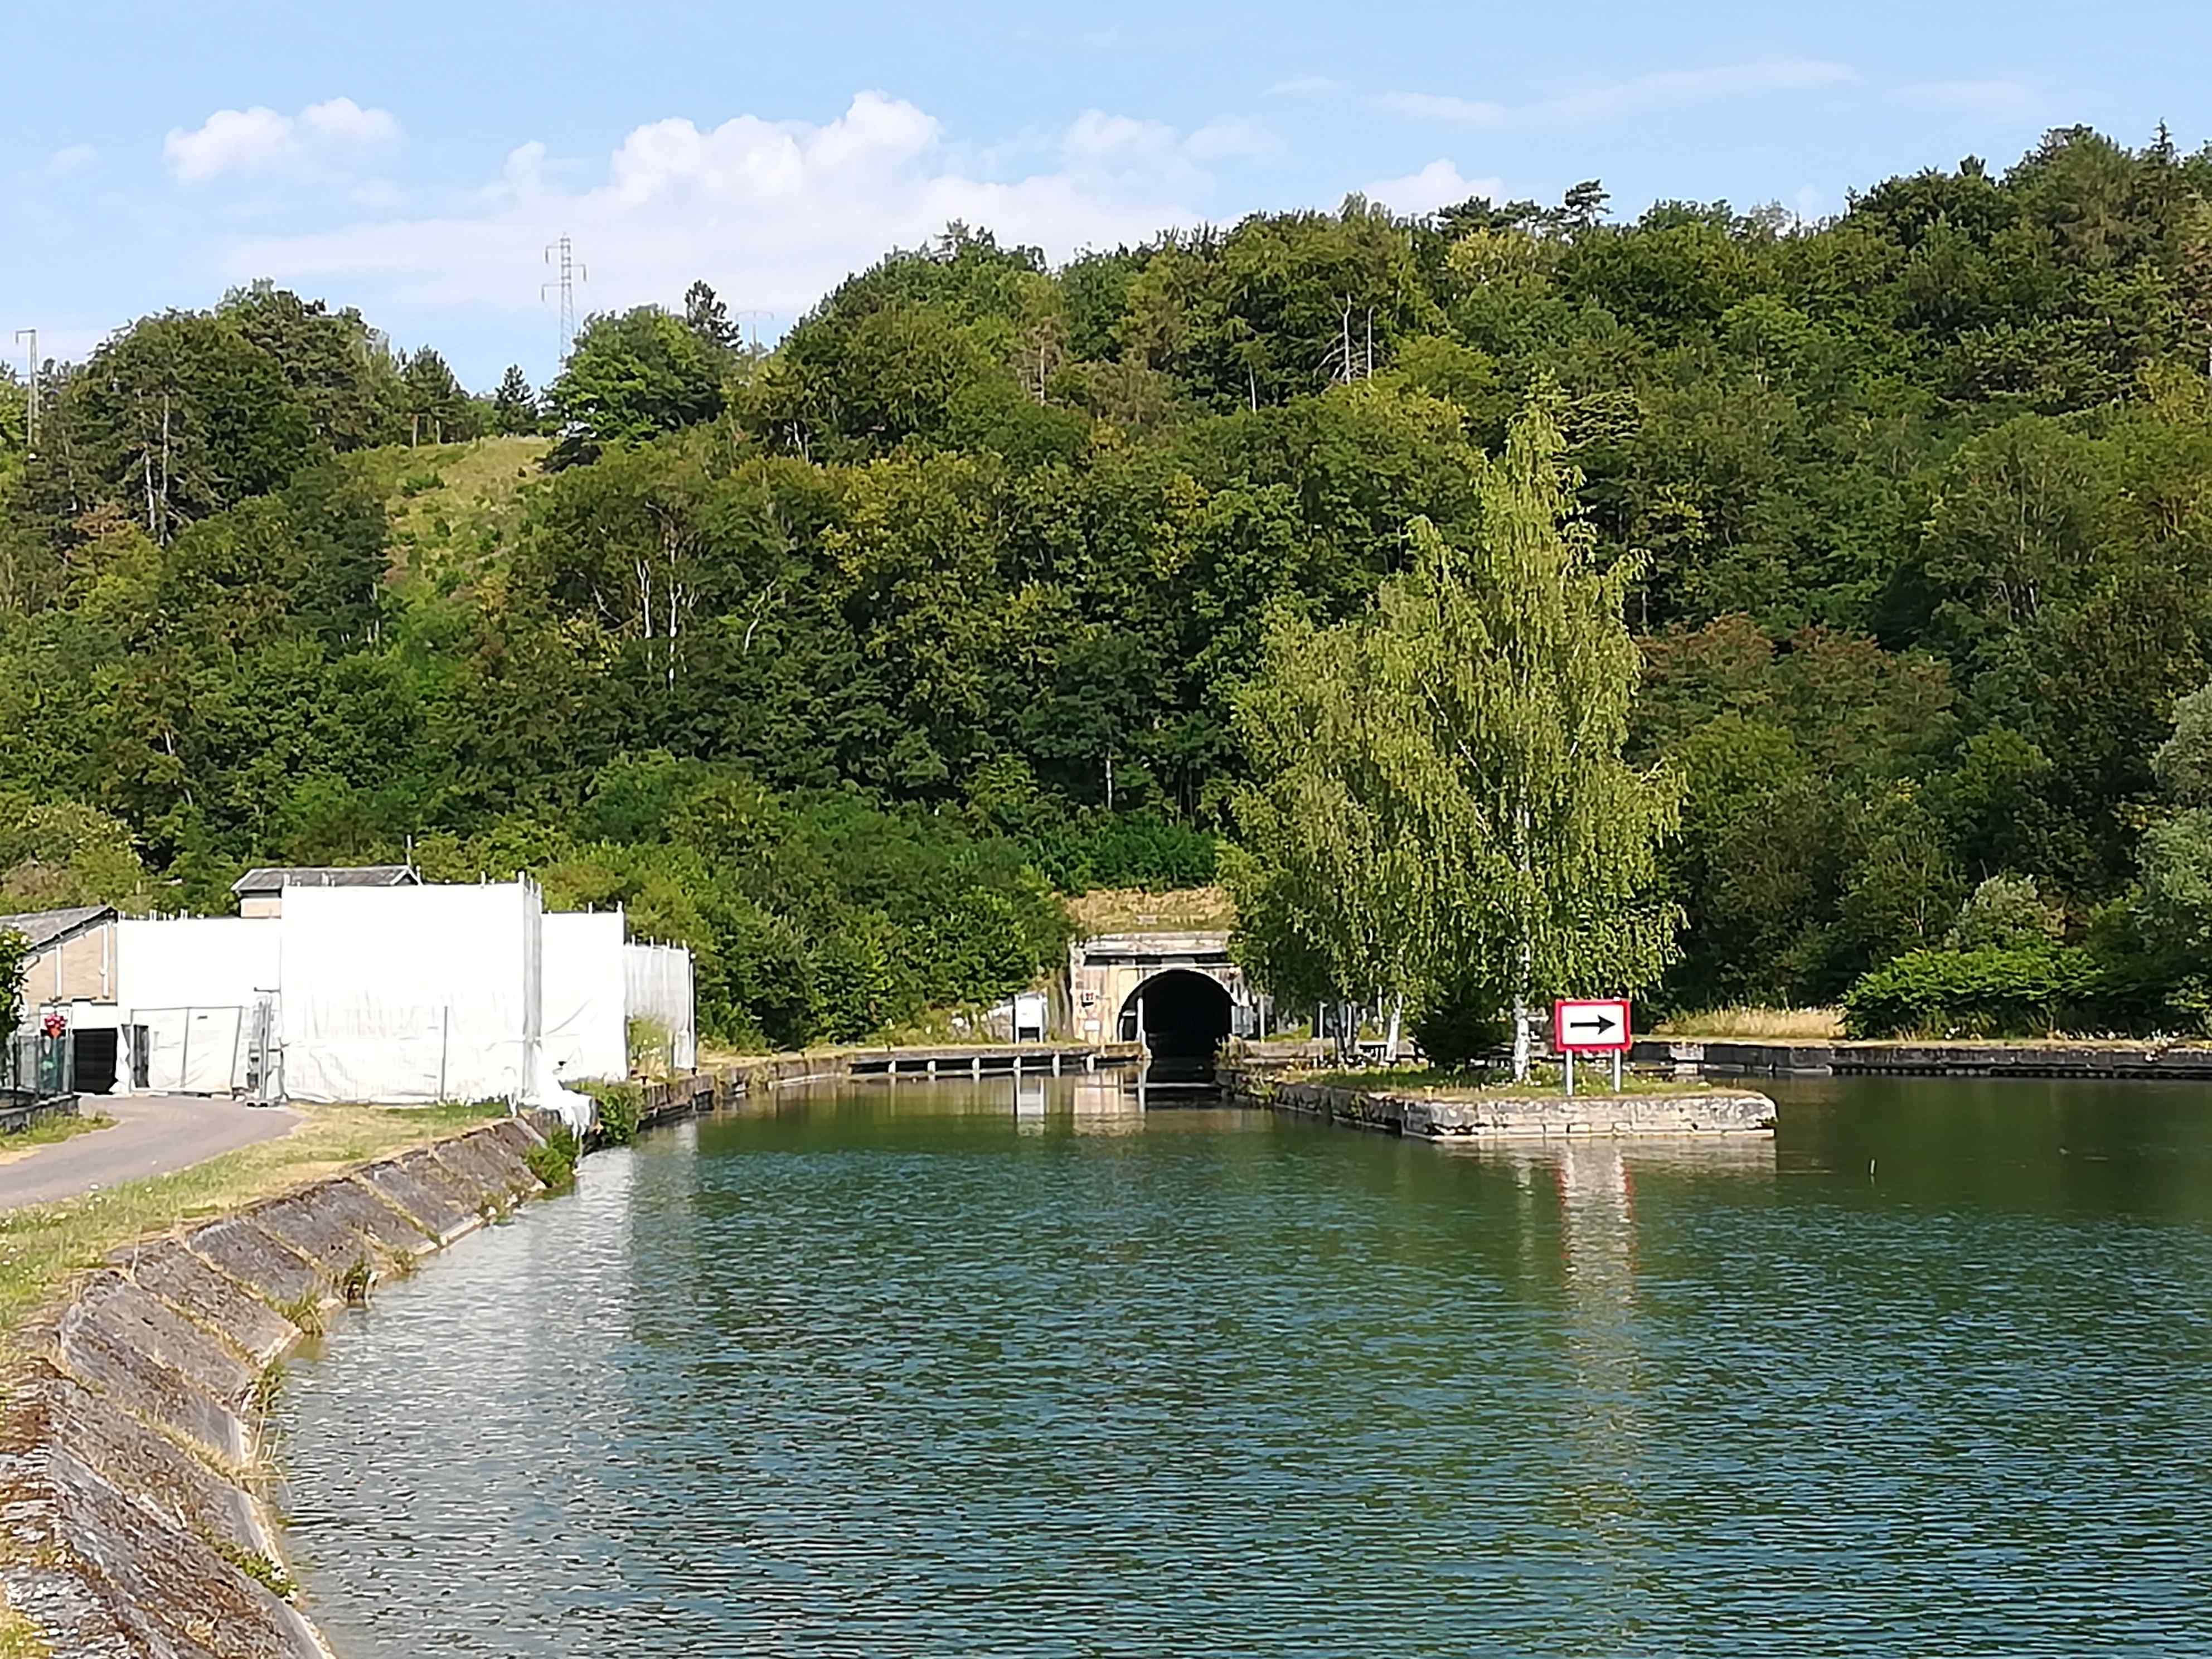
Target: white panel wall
x=660 y=982
x=585 y=1024
x=409 y=995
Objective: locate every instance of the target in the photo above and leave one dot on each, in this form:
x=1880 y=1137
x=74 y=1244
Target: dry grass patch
x=1755 y=1024
x=41 y=1246
x=1132 y=910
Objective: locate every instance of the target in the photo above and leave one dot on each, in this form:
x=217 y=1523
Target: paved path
x=153 y=1135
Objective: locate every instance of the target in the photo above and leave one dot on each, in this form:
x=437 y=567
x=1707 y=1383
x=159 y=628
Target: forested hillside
x=834 y=659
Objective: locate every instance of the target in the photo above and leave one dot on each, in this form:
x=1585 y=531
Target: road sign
x=1595 y=1025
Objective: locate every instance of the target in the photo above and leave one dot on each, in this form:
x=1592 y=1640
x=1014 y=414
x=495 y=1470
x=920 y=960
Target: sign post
x=1591 y=1026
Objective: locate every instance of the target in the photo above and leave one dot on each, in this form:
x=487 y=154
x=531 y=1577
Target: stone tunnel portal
x=1186 y=1019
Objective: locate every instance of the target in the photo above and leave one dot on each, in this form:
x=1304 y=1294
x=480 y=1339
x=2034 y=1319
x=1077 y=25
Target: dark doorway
x=1186 y=1022
x=94 y=1059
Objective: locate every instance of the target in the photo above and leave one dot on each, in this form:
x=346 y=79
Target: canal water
x=937 y=1372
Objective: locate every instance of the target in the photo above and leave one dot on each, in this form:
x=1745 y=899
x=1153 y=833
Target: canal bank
x=132 y=1466
x=2139 y=1061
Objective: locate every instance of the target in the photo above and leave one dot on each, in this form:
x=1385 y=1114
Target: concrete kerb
x=130 y=1522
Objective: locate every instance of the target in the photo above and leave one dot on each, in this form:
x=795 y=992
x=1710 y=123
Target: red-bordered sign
x=1591 y=1026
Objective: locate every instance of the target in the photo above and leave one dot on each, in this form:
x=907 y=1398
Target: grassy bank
x=42 y=1245
x=1424 y=1083
x=47 y=1132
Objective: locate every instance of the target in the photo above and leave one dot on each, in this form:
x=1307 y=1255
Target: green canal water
x=878 y=1374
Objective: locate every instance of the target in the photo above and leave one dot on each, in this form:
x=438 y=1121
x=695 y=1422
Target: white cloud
x=1431 y=106
x=76 y=158
x=1661 y=89
x=1436 y=185
x=345 y=122
x=1993 y=97
x=260 y=141
x=773 y=213
x=1302 y=86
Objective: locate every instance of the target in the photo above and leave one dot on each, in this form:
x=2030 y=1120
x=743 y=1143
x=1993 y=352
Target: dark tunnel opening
x=1186 y=1020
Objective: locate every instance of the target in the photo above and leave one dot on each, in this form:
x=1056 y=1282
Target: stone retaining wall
x=1719 y=1111
x=1695 y=1056
x=131 y=1519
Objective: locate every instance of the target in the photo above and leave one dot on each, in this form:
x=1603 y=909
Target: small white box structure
x=189 y=990
x=586 y=1022
x=413 y=994
x=660 y=989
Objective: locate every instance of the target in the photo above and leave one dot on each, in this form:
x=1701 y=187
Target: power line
x=31 y=415
x=572 y=273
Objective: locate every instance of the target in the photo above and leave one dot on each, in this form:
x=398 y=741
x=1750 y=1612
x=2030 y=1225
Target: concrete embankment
x=705 y=1092
x=131 y=1520
x=1693 y=1056
x=1705 y=1112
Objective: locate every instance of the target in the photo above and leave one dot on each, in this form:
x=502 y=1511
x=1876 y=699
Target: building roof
x=274 y=879
x=43 y=928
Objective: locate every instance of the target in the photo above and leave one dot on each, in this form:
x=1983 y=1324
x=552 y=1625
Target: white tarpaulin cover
x=659 y=978
x=585 y=1023
x=412 y=995
x=189 y=984
x=195 y=962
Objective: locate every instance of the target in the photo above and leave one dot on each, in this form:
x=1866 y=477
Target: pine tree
x=706 y=316
x=1440 y=806
x=514 y=405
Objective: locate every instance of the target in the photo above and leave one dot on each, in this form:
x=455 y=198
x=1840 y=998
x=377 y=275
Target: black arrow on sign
x=1603 y=1024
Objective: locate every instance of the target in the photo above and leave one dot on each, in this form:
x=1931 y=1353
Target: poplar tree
x=1439 y=804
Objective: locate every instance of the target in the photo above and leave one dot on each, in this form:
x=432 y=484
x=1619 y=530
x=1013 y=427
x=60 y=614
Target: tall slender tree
x=1440 y=806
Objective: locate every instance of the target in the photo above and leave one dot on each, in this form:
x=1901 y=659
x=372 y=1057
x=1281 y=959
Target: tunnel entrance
x=1186 y=1019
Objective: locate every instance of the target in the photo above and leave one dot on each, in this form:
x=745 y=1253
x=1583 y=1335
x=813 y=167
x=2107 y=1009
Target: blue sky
x=414 y=159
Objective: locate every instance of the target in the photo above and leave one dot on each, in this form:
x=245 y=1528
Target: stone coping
x=1504 y=1117
x=1688 y=1056
x=134 y=1521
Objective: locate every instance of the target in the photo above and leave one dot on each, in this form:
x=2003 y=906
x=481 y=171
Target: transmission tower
x=571 y=274
x=31 y=411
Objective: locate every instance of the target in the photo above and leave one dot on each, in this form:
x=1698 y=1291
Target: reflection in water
x=927 y=1371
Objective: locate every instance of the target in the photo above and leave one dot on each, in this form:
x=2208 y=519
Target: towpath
x=154 y=1134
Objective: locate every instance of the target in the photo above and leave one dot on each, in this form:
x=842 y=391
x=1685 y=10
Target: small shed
x=261 y=891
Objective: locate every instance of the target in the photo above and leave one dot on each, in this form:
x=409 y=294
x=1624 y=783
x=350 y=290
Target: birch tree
x=1439 y=797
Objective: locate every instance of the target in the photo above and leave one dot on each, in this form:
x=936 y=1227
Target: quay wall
x=1692 y=1057
x=1598 y=1114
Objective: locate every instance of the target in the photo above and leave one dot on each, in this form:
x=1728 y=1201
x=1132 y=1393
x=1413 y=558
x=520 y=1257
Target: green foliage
x=2004 y=913
x=622 y=1106
x=15 y=958
x=629 y=377
x=1979 y=993
x=554 y=1161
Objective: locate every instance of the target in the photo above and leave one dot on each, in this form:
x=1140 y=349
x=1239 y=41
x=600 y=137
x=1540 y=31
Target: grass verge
x=42 y=1245
x=49 y=1131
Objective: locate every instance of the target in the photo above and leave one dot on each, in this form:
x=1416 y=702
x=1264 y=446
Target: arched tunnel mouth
x=1186 y=1020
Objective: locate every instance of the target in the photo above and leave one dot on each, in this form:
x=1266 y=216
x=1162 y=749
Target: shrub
x=1460 y=1024
x=2004 y=913
x=622 y=1106
x=1986 y=993
x=554 y=1163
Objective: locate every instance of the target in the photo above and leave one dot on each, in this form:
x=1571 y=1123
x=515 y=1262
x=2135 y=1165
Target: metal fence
x=36 y=1065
